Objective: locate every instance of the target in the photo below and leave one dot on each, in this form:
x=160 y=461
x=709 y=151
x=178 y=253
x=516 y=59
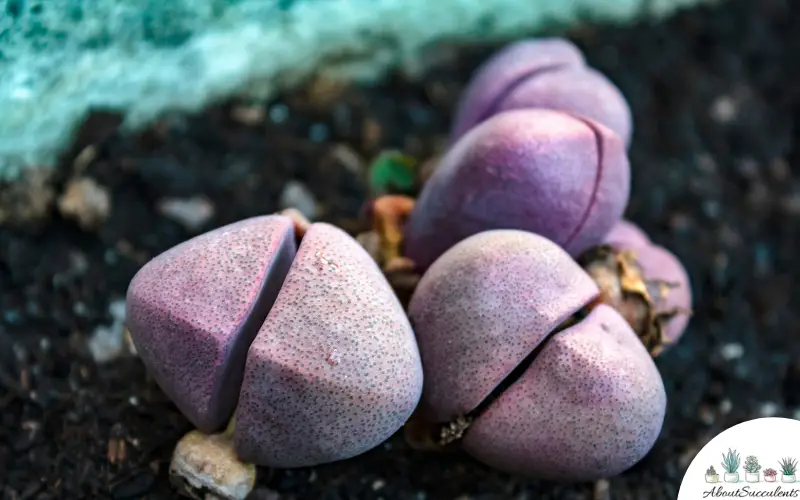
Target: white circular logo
x=755 y=459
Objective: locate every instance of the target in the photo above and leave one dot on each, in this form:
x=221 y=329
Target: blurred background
x=129 y=127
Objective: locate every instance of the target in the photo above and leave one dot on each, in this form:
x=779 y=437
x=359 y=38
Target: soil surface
x=715 y=178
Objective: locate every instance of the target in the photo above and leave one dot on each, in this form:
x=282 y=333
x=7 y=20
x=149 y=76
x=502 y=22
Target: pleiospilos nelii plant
x=536 y=320
x=539 y=144
x=536 y=375
x=535 y=362
x=308 y=347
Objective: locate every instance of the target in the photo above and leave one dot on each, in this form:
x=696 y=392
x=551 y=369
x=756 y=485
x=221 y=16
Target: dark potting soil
x=715 y=178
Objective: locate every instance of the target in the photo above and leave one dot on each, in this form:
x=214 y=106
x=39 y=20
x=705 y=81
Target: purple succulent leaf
x=193 y=310
x=579 y=91
x=548 y=73
x=627 y=235
x=591 y=405
x=500 y=74
x=483 y=307
x=335 y=369
x=547 y=172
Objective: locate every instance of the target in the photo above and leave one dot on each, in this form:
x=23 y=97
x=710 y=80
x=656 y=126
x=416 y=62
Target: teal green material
x=61 y=58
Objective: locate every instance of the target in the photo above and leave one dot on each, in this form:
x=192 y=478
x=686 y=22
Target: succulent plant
x=307 y=346
x=711 y=471
x=546 y=73
x=644 y=281
x=542 y=171
x=788 y=466
x=730 y=461
x=770 y=472
x=751 y=464
x=525 y=369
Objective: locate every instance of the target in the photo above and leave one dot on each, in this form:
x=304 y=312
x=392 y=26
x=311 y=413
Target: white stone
x=107 y=341
x=296 y=195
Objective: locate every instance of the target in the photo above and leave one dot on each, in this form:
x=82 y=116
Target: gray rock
x=296 y=195
x=61 y=58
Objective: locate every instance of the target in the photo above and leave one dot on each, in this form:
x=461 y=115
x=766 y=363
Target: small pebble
x=724 y=109
x=732 y=351
x=248 y=115
x=348 y=158
x=84 y=158
x=323 y=91
x=208 y=463
x=86 y=202
x=296 y=195
x=191 y=213
x=79 y=263
x=28 y=201
x=104 y=344
x=601 y=490
x=107 y=341
x=768 y=409
x=80 y=309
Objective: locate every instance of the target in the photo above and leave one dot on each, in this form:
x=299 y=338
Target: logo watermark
x=755 y=459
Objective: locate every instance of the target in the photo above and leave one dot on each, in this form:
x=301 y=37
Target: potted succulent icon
x=711 y=475
x=730 y=463
x=751 y=469
x=770 y=475
x=788 y=468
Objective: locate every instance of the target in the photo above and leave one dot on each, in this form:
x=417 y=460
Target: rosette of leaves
x=770 y=472
x=788 y=466
x=730 y=461
x=751 y=464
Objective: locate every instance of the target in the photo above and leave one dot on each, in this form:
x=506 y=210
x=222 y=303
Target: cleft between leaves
x=622 y=286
